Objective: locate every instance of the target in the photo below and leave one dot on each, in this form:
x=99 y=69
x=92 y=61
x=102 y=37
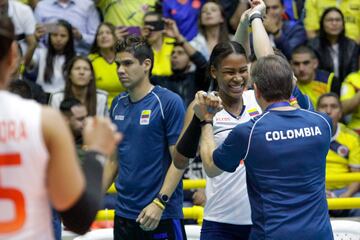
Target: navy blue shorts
x=223 y=231
x=128 y=229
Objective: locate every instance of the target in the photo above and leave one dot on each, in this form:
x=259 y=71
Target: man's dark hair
x=67 y=104
x=21 y=88
x=330 y=94
x=138 y=47
x=304 y=49
x=7 y=36
x=273 y=77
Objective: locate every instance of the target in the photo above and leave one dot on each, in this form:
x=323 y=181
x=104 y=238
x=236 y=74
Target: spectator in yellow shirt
x=344 y=153
x=350 y=100
x=351 y=9
x=102 y=57
x=312 y=81
x=124 y=12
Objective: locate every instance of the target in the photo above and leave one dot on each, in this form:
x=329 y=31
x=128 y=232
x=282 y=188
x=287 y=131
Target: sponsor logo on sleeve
x=119 y=117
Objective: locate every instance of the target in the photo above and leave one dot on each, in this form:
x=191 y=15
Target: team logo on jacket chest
x=145 y=117
x=343 y=151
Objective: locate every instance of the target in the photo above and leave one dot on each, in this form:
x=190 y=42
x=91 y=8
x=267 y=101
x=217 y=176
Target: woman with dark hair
x=335 y=51
x=227 y=213
x=102 y=57
x=50 y=62
x=80 y=84
x=212 y=28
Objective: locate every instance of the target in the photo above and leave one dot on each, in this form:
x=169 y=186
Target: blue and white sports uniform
x=149 y=126
x=227 y=210
x=284 y=153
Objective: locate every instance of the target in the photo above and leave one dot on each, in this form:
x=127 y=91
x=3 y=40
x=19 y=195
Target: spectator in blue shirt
x=185 y=15
x=285 y=34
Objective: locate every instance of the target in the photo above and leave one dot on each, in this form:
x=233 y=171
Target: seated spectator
x=344 y=153
x=24 y=22
x=350 y=100
x=293 y=11
x=102 y=57
x=336 y=52
x=48 y=63
x=310 y=80
x=183 y=81
x=161 y=44
x=185 y=14
x=80 y=84
x=125 y=12
x=82 y=15
x=315 y=8
x=75 y=114
x=212 y=28
x=284 y=34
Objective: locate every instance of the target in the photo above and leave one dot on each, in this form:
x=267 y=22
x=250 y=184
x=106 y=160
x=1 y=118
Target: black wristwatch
x=164 y=199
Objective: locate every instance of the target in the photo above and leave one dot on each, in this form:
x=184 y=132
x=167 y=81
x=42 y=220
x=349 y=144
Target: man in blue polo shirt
x=284 y=150
x=149 y=199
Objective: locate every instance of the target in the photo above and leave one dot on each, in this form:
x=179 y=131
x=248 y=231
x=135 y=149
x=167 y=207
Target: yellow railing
x=197 y=212
x=343 y=177
x=187 y=185
x=201 y=183
x=343 y=203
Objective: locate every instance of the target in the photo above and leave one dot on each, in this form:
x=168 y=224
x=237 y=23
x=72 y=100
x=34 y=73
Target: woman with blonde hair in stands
x=212 y=28
x=102 y=57
x=80 y=83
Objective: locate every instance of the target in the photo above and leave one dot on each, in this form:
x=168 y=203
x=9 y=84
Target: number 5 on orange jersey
x=12 y=194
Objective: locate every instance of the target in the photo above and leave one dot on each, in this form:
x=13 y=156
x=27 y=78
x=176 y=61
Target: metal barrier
x=201 y=183
x=343 y=177
x=187 y=185
x=343 y=203
x=197 y=212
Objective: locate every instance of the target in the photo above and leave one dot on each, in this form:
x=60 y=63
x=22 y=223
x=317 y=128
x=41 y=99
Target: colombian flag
x=145 y=114
x=253 y=112
x=145 y=117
